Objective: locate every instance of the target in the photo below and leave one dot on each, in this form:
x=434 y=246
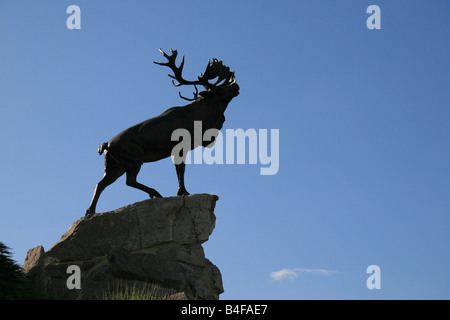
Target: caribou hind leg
x=113 y=170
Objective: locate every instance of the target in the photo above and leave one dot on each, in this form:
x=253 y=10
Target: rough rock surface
x=156 y=241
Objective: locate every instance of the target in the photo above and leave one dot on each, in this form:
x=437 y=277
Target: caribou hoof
x=154 y=193
x=182 y=192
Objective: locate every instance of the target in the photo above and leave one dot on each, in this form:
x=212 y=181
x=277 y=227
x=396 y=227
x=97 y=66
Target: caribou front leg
x=180 y=174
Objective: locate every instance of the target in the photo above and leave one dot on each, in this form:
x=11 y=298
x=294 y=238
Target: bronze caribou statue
x=151 y=140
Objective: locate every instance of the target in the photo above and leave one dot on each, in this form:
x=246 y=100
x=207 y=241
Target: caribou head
x=224 y=86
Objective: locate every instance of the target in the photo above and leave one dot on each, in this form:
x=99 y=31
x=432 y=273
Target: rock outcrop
x=156 y=241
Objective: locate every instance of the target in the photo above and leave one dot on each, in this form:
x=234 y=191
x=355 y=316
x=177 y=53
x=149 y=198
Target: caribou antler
x=195 y=95
x=177 y=71
x=214 y=69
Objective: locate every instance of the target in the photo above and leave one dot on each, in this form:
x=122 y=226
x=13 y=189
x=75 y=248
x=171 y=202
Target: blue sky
x=363 y=117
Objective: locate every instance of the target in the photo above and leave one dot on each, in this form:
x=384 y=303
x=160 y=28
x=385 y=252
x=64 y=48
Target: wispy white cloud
x=292 y=274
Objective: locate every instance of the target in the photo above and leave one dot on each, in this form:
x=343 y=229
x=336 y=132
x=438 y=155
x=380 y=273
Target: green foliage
x=13 y=284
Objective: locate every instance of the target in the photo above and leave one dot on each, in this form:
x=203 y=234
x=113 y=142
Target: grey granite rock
x=156 y=241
